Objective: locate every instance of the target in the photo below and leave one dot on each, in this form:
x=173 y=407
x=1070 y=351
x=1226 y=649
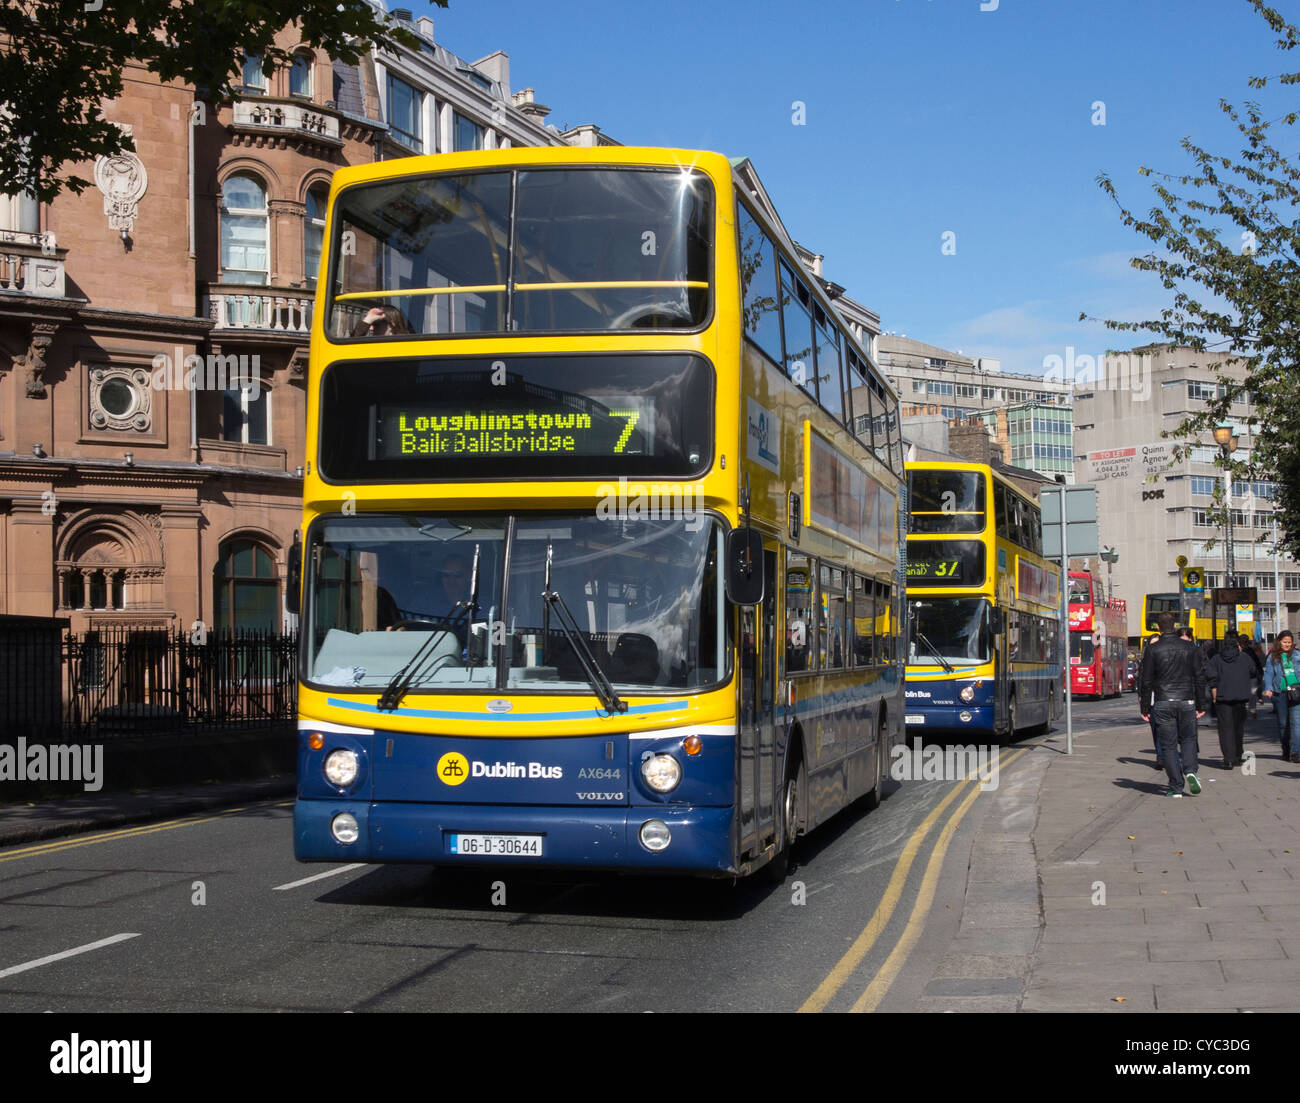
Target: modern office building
x=1038 y=436
x=960 y=385
x=1152 y=507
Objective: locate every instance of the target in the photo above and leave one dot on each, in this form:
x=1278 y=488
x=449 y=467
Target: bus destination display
x=946 y=562
x=522 y=417
x=624 y=427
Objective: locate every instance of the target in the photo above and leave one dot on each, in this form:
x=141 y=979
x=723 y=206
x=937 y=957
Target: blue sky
x=922 y=117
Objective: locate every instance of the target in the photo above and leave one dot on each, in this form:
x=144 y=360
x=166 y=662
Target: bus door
x=769 y=780
x=756 y=719
x=1001 y=681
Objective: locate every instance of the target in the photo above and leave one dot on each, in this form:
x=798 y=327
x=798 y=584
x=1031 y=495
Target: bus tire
x=873 y=798
x=775 y=870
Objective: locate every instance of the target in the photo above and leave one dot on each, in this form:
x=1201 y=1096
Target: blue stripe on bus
x=443 y=714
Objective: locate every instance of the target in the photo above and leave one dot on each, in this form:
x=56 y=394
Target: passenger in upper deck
x=381 y=321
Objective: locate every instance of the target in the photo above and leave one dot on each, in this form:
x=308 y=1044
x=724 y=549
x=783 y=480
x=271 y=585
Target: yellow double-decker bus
x=601 y=560
x=984 y=631
x=1205 y=629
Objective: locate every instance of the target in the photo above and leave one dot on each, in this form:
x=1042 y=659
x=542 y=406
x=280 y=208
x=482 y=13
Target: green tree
x=1228 y=241
x=59 y=59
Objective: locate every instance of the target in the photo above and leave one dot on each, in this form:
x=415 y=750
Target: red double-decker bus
x=1098 y=638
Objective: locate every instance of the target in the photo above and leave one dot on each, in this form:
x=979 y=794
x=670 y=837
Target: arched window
x=246 y=589
x=314 y=230
x=300 y=76
x=244 y=241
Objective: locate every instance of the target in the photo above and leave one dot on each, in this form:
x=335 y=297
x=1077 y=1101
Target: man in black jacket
x=1173 y=681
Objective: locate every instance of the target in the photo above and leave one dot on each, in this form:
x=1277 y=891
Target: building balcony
x=27 y=267
x=266 y=309
x=256 y=121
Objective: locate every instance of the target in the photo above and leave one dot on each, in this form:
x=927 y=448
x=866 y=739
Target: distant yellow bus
x=983 y=605
x=552 y=392
x=1203 y=627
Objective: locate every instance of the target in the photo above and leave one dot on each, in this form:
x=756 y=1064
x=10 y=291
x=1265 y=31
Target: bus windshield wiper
x=947 y=666
x=599 y=680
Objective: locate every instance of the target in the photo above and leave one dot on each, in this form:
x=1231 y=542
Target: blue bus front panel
x=936 y=704
x=582 y=799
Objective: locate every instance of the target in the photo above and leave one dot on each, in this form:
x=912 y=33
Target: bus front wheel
x=776 y=869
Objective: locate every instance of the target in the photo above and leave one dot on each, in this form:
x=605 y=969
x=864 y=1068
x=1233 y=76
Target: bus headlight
x=661 y=772
x=341 y=768
x=964 y=716
x=344 y=827
x=655 y=835
x=968 y=694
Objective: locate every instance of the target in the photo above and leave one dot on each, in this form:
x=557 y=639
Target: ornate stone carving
x=121 y=398
x=33 y=360
x=123 y=181
x=298 y=364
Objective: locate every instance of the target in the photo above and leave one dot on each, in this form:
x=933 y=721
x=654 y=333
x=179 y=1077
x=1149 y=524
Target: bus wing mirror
x=998 y=618
x=745 y=566
x=293 y=584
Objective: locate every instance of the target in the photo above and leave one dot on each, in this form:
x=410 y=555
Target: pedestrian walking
x=1282 y=686
x=1231 y=678
x=1172 y=690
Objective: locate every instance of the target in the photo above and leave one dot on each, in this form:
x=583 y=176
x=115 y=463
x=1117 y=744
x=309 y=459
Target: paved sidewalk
x=24 y=822
x=1202 y=894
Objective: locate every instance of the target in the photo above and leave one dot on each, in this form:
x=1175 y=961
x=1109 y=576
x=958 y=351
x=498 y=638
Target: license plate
x=495 y=846
x=914 y=718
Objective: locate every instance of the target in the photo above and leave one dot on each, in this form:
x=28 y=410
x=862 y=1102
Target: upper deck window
x=587 y=250
x=946 y=501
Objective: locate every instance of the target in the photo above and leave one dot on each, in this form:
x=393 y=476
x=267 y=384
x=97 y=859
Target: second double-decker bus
x=1098 y=639
x=983 y=605
x=565 y=406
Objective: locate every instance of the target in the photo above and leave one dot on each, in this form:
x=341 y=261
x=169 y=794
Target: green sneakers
x=1194 y=784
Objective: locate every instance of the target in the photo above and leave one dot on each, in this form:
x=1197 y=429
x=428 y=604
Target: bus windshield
x=1082 y=651
x=464 y=593
x=955 y=628
x=1080 y=591
x=522 y=251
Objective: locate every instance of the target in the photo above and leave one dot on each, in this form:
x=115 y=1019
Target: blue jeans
x=1288 y=722
x=1176 y=724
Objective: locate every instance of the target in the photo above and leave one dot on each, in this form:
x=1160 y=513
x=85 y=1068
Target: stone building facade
x=154 y=334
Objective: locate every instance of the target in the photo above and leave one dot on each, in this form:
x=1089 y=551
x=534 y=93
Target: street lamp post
x=1110 y=557
x=1226 y=439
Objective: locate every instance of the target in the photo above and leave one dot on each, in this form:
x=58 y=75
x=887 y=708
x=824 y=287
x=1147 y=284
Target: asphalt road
x=212 y=913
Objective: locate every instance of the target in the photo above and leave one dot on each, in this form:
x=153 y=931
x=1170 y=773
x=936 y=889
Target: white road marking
x=66 y=953
x=317 y=877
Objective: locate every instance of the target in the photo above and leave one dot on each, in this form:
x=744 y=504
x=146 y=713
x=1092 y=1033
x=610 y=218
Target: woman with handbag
x=1282 y=685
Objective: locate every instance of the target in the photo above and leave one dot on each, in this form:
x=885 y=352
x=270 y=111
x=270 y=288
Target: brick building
x=154 y=331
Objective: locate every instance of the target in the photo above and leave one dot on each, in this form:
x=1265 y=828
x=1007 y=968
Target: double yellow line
x=75 y=841
x=862 y=945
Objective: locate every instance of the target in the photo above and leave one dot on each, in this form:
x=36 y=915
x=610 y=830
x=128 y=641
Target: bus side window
x=1000 y=510
x=799 y=584
x=889 y=630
